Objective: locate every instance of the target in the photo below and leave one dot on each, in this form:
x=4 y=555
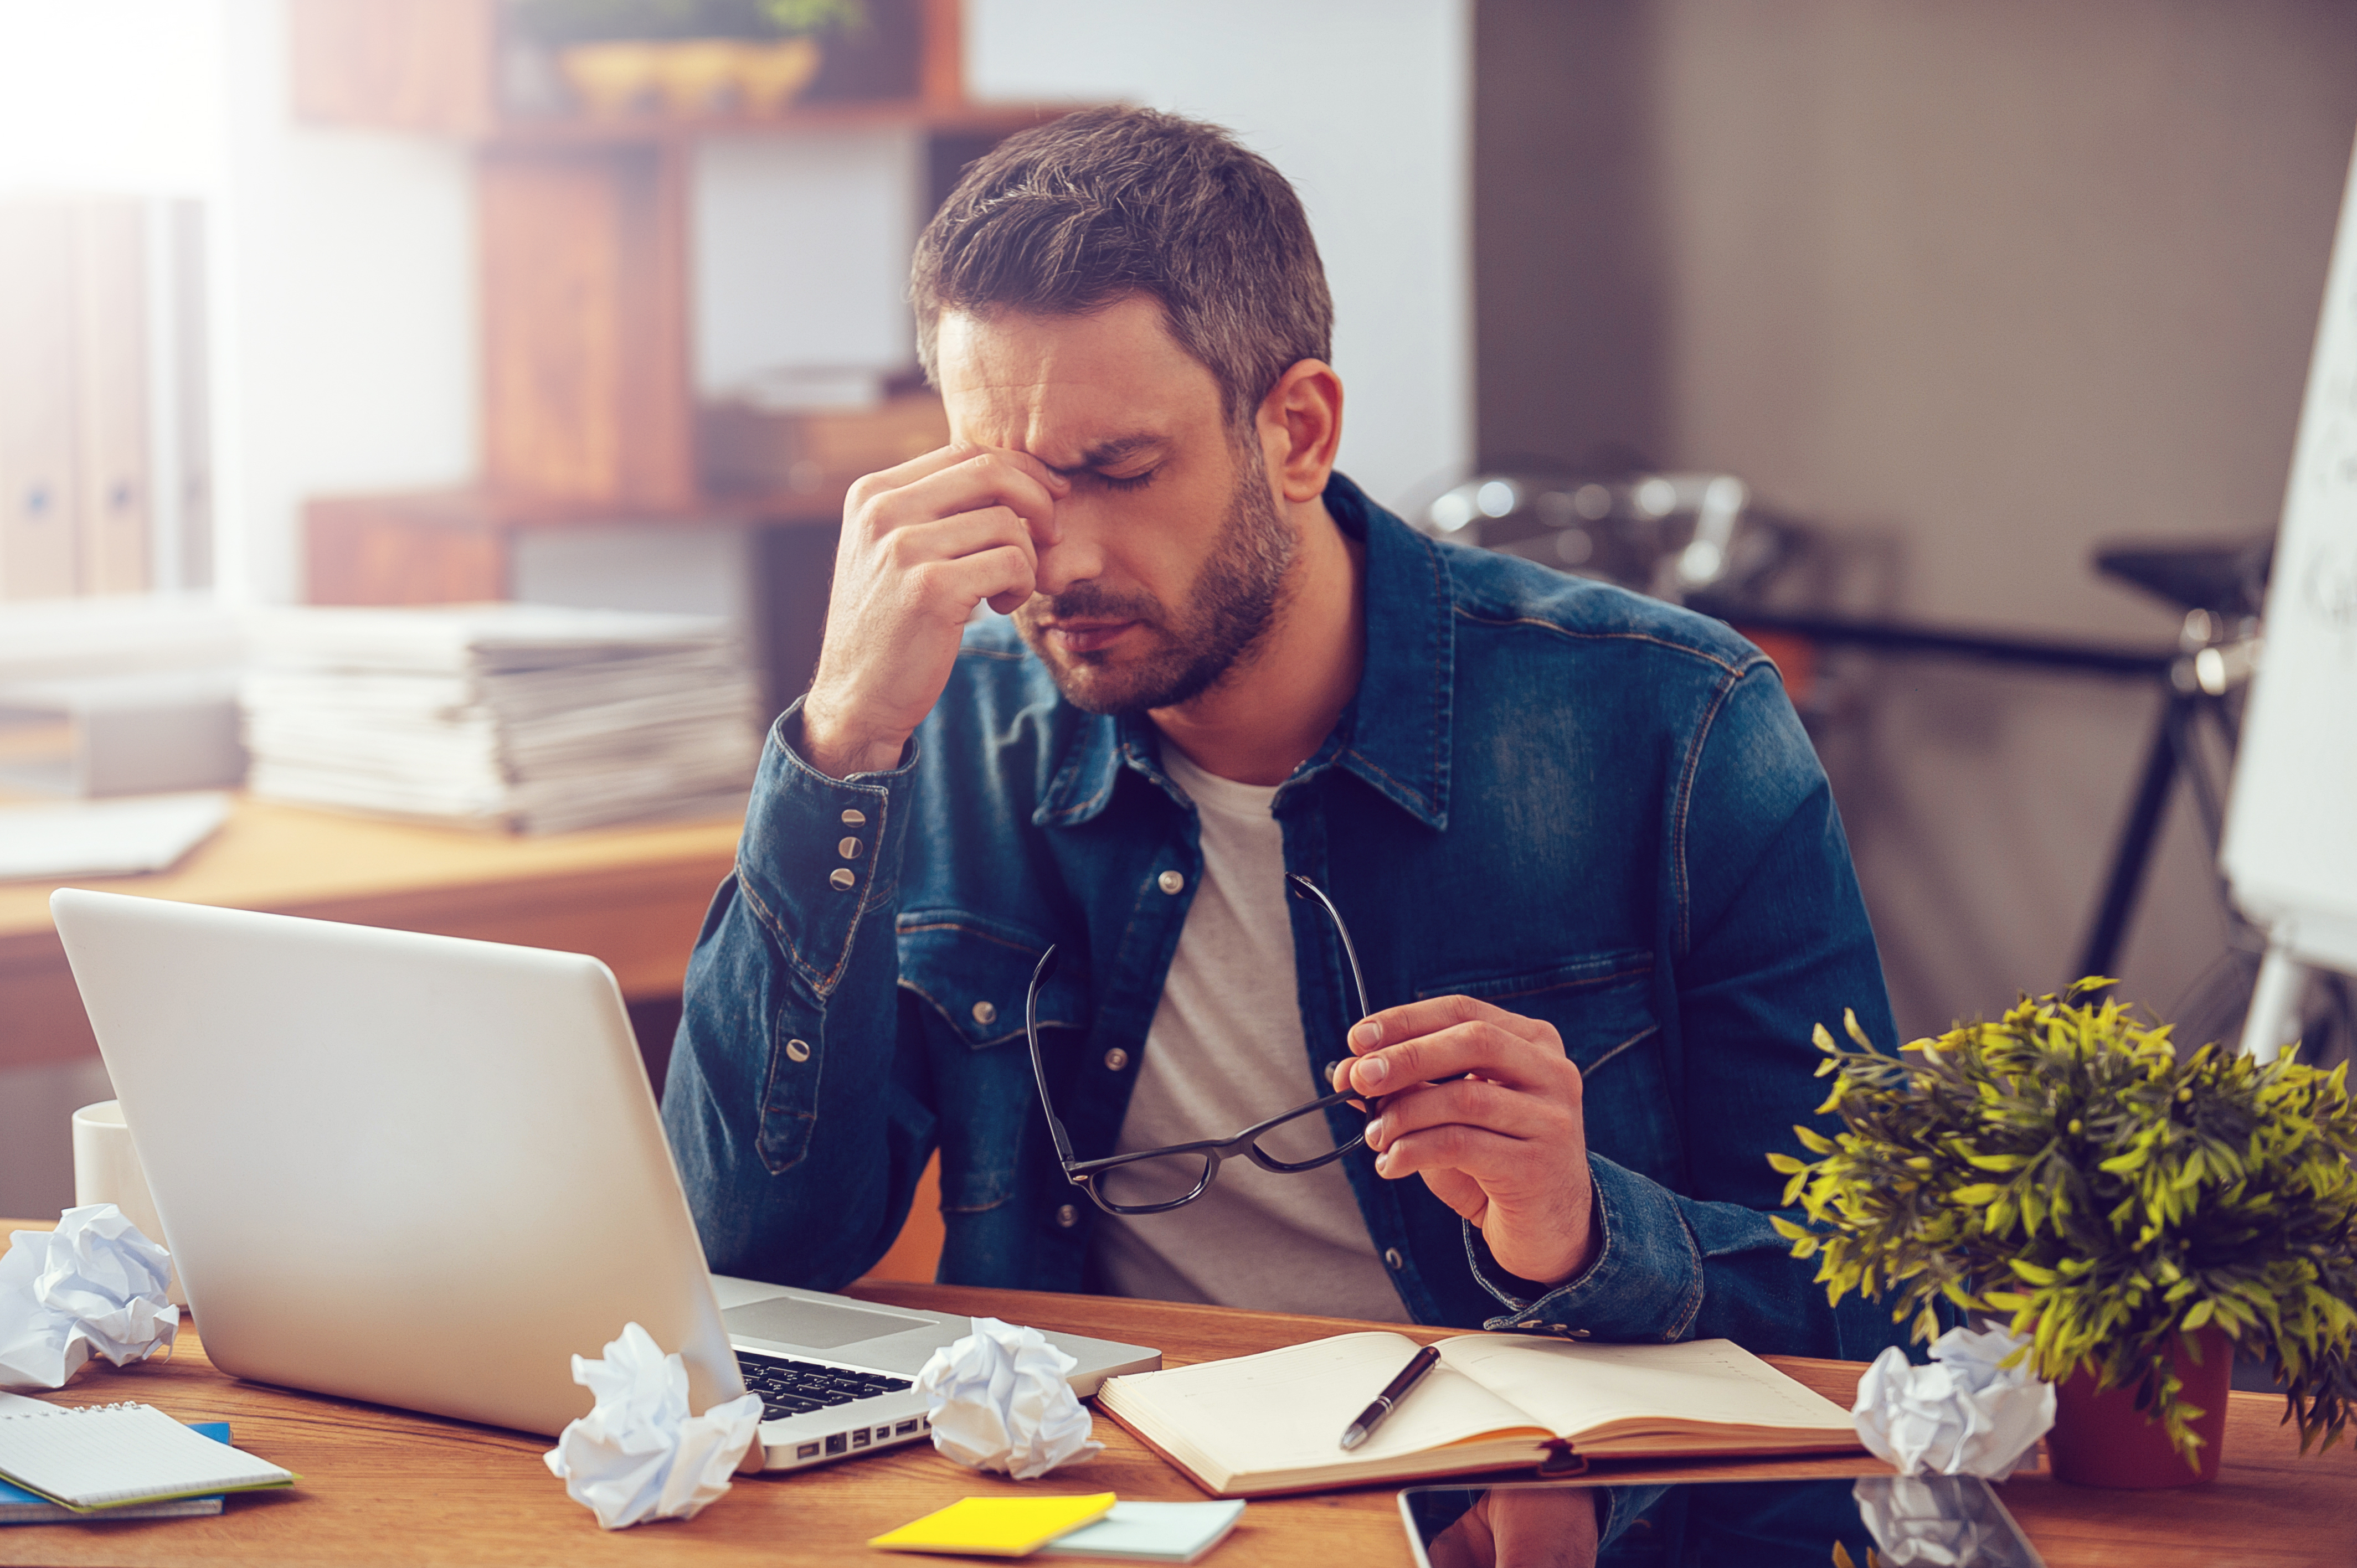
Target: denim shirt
x=1577 y=803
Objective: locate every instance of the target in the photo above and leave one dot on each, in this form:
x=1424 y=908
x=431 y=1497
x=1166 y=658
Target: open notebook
x=106 y=1456
x=1273 y=1423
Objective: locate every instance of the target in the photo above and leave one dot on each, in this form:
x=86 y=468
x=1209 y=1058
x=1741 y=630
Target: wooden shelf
x=661 y=130
x=583 y=234
x=433 y=67
x=583 y=229
x=433 y=547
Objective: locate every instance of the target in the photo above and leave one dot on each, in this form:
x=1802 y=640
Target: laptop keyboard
x=796 y=1388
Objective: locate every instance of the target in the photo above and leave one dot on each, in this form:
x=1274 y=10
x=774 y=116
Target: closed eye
x=1131 y=482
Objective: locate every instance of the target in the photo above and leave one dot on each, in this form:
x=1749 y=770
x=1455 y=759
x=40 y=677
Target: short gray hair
x=1071 y=216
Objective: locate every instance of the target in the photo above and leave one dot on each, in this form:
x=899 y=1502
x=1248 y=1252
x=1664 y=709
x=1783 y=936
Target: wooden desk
x=633 y=896
x=379 y=1485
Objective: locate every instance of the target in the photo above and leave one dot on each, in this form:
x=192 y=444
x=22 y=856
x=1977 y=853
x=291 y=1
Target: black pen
x=1422 y=1362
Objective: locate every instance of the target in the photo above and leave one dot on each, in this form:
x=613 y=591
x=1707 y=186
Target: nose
x=1077 y=557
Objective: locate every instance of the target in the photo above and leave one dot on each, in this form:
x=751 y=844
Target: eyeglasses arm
x=1046 y=966
x=1302 y=885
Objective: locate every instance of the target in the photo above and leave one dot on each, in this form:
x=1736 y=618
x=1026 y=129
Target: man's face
x=1174 y=554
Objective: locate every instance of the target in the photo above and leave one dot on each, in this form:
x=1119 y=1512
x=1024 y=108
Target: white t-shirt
x=1225 y=1050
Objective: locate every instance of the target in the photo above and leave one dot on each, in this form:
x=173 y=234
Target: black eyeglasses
x=1154 y=1181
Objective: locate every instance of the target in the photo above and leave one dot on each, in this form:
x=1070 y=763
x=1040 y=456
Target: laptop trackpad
x=814 y=1325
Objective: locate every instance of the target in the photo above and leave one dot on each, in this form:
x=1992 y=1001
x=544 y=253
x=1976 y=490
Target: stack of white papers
x=526 y=716
x=105 y=838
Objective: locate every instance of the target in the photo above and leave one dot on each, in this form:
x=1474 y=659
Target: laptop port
x=837 y=1443
x=905 y=1428
x=859 y=1438
x=807 y=1451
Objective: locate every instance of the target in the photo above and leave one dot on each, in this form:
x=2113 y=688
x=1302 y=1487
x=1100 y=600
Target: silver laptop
x=427 y=1172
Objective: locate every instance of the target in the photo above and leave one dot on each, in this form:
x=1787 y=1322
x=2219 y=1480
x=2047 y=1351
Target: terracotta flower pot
x=698 y=76
x=772 y=75
x=611 y=79
x=2104 y=1440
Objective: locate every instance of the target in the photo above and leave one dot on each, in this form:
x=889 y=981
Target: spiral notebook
x=18 y=1506
x=110 y=1455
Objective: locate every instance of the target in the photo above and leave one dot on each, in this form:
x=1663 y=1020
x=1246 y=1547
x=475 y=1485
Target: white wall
x=344 y=314
x=1363 y=106
x=2000 y=282
x=801 y=253
x=111 y=95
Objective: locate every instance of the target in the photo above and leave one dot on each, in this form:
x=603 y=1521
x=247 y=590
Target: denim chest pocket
x=973 y=975
x=976 y=972
x=1602 y=1007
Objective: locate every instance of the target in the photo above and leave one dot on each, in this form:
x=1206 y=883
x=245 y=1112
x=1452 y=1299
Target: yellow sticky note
x=996 y=1526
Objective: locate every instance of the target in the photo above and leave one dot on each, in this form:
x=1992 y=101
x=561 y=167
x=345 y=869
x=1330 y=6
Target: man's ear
x=1300 y=423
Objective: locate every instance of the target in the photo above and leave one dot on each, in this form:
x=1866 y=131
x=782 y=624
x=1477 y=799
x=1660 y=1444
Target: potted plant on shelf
x=693 y=57
x=2137 y=1211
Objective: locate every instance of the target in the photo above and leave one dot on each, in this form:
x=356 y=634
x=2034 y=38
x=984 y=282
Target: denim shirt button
x=1392 y=1259
x=1171 y=882
x=842 y=878
x=1116 y=1059
x=985 y=1012
x=1067 y=1216
x=848 y=848
x=798 y=1050
x=854 y=818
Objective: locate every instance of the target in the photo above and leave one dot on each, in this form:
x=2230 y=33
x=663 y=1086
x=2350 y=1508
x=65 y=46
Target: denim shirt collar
x=1393 y=736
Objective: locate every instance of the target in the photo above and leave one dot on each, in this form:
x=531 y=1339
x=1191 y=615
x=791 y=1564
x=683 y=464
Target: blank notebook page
x=122 y=1454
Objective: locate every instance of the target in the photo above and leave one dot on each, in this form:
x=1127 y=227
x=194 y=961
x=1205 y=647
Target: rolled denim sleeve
x=1770 y=938
x=1670 y=1268
x=1646 y=1281
x=795 y=1109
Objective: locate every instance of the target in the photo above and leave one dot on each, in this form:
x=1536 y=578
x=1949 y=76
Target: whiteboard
x=2290 y=850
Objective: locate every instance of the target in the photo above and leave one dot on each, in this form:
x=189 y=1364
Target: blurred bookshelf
x=105 y=487
x=590 y=417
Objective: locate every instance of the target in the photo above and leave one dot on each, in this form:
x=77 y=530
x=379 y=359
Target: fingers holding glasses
x=1486 y=1107
x=1473 y=1104
x=1448 y=1037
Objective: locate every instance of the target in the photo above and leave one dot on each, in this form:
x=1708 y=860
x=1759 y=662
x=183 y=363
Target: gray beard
x=1233 y=605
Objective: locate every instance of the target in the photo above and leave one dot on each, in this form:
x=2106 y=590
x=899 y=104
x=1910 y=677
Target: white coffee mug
x=106 y=1170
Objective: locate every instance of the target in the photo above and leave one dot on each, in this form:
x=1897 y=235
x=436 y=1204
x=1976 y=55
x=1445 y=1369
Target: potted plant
x=694 y=56
x=2137 y=1211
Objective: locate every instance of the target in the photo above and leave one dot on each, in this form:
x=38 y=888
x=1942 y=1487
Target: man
x=1587 y=864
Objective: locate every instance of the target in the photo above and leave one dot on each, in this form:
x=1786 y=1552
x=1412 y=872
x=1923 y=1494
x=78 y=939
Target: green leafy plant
x=557 y=22
x=792 y=16
x=2069 y=1168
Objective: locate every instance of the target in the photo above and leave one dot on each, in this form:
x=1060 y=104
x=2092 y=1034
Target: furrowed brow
x=1120 y=449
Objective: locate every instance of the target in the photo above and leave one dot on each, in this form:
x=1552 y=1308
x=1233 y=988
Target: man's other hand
x=922 y=544
x=1485 y=1106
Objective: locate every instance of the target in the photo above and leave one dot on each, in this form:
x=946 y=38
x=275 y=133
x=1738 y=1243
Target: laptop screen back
x=411 y=1169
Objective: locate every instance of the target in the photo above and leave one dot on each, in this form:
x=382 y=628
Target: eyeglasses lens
x=1306 y=1137
x=1144 y=1183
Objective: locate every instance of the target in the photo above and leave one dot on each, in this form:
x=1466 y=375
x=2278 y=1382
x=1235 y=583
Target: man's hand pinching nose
x=922 y=546
x=1484 y=1105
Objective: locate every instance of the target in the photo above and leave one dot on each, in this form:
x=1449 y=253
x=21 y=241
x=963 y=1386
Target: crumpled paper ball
x=92 y=1286
x=1961 y=1415
x=638 y=1454
x=999 y=1402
